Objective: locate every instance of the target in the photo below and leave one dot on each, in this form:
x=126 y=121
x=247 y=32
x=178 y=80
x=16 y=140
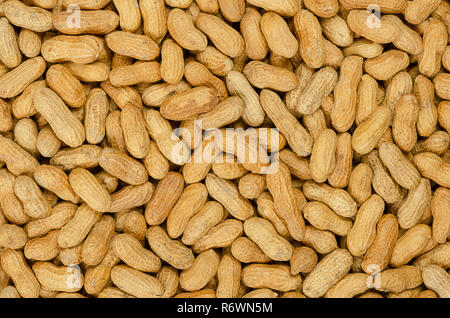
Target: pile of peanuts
x=224 y=148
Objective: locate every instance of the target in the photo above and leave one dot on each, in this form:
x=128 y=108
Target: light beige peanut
x=261 y=293
x=86 y=185
x=12 y=236
x=172 y=62
x=202 y=222
x=363 y=22
x=34 y=203
x=136 y=46
x=94 y=22
x=337 y=199
x=349 y=286
x=169 y=278
x=217 y=62
x=309 y=33
x=85 y=156
x=229 y=277
x=67 y=48
x=76 y=230
x=15 y=266
x=277 y=277
x=10 y=54
x=287 y=8
x=136 y=283
x=439 y=204
x=398 y=280
x=32 y=18
x=43 y=248
x=170 y=251
x=433 y=167
x=303 y=260
x=183 y=31
x=321 y=217
x=417 y=11
x=30 y=43
x=245 y=251
x=97 y=242
x=202 y=270
x=414 y=206
x=130 y=251
x=438 y=255
x=437 y=143
x=256 y=46
x=139 y=72
x=278 y=36
x=323 y=155
x=363 y=231
x=122 y=166
x=61 y=214
x=262 y=232
x=266 y=208
x=60 y=80
x=122 y=96
x=328 y=271
x=93 y=72
x=435 y=278
x=410 y=244
x=387 y=64
x=382 y=182
x=55 y=180
x=262 y=75
x=131 y=196
x=197 y=74
x=279 y=185
x=17 y=160
x=11 y=206
x=427 y=117
x=226 y=193
x=222 y=235
x=364 y=48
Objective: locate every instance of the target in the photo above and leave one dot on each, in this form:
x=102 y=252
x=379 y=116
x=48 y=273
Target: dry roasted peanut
x=441 y=85
x=187 y=104
x=278 y=36
x=361 y=22
x=140 y=47
x=298 y=166
x=202 y=270
x=139 y=72
x=437 y=143
x=363 y=232
x=190 y=202
x=303 y=260
x=323 y=155
x=123 y=167
x=29 y=43
x=321 y=217
x=279 y=185
x=155 y=162
x=414 y=206
x=245 y=251
x=203 y=293
x=209 y=6
x=437 y=279
x=349 y=286
x=427 y=116
x=388 y=6
x=229 y=277
x=228 y=195
x=340 y=176
x=35 y=204
x=93 y=22
x=165 y=197
x=131 y=252
x=60 y=80
x=15 y=81
x=262 y=75
x=439 y=204
x=327 y=272
x=217 y=62
x=364 y=48
x=169 y=278
x=10 y=54
x=25 y=135
x=11 y=206
x=263 y=233
x=367 y=134
x=97 y=242
x=322 y=8
x=155 y=95
x=226 y=112
x=131 y=196
x=333 y=54
x=122 y=96
x=266 y=208
x=261 y=293
x=183 y=31
x=9 y=292
x=238 y=85
x=309 y=33
x=255 y=43
x=197 y=74
x=252 y=185
x=345 y=94
x=129 y=14
x=410 y=244
x=398 y=280
x=438 y=255
x=366 y=102
x=6 y=122
x=172 y=63
x=433 y=167
x=337 y=199
x=22 y=105
x=12 y=236
x=96 y=111
x=154 y=18
x=277 y=277
x=17 y=160
x=405 y=118
x=55 y=180
x=407 y=39
x=170 y=251
x=135 y=132
x=86 y=185
x=32 y=18
x=43 y=248
x=136 y=283
x=401 y=169
x=387 y=64
x=15 y=266
x=78 y=49
x=297 y=136
x=76 y=230
x=85 y=156
x=335 y=28
x=222 y=235
x=202 y=222
x=61 y=214
x=93 y=72
x=418 y=10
